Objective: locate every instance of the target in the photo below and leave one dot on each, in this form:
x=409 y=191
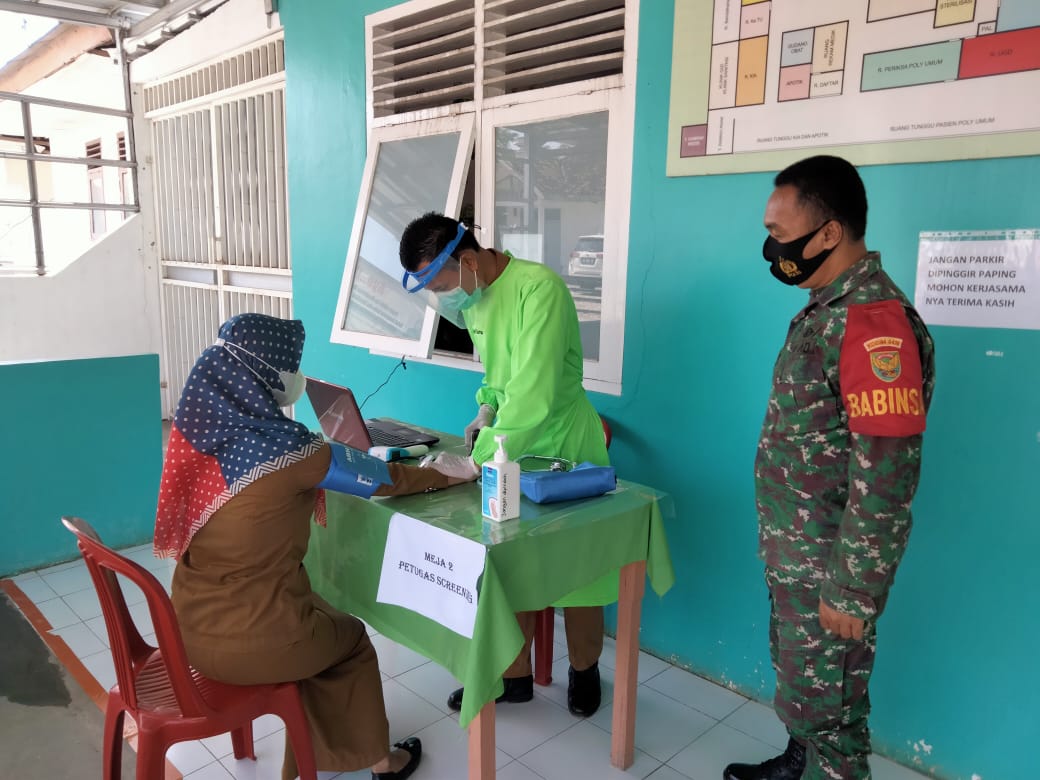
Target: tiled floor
x=687 y=728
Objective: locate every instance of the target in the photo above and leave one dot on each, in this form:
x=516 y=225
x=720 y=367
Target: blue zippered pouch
x=583 y=481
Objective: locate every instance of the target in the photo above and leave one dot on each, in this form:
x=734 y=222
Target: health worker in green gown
x=524 y=326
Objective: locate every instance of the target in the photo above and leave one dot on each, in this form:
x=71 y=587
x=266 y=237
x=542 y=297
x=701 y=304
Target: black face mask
x=785 y=259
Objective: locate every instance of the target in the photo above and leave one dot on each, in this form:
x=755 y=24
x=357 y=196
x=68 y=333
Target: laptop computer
x=341 y=421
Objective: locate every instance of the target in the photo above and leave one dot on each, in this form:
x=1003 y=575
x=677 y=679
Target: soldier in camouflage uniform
x=837 y=466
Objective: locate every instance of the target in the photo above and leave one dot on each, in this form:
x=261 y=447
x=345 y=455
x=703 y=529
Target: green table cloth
x=561 y=554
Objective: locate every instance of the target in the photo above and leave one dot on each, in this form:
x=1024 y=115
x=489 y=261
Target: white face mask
x=294 y=382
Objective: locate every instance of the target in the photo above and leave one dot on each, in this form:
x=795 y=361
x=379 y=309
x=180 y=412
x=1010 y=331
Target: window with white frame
x=126 y=180
x=514 y=115
x=95 y=188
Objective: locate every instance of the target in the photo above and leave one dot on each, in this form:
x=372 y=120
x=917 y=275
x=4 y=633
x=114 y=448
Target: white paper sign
x=432 y=572
x=979 y=279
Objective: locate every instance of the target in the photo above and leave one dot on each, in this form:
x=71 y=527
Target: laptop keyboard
x=381 y=438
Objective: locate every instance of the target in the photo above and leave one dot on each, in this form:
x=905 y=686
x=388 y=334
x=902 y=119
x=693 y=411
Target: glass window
x=96 y=181
x=405 y=178
x=551 y=182
x=412 y=177
x=550 y=205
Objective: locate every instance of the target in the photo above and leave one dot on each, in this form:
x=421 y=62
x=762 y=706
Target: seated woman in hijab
x=240 y=484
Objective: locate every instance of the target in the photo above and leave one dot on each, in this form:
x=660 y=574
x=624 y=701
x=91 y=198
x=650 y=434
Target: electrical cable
x=401 y=364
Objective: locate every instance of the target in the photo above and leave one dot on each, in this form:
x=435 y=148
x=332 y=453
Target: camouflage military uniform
x=834 y=503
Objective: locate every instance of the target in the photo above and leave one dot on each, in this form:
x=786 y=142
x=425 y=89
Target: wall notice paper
x=979 y=279
x=432 y=572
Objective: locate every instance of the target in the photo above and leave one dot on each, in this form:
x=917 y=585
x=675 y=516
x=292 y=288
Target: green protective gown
x=525 y=329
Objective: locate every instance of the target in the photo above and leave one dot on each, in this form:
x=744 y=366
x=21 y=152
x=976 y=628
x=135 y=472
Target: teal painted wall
x=81 y=437
x=325 y=92
x=704 y=322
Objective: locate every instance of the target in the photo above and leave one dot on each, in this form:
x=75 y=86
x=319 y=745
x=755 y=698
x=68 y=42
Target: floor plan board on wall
x=872 y=80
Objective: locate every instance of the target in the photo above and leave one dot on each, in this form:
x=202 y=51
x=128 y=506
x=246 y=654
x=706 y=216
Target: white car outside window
x=586 y=262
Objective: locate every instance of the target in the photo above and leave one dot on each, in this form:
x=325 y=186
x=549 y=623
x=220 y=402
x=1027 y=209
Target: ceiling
x=133 y=18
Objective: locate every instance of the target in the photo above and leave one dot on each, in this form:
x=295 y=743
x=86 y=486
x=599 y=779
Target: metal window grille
x=435 y=56
x=36 y=150
x=530 y=44
x=220 y=200
x=424 y=59
x=259 y=62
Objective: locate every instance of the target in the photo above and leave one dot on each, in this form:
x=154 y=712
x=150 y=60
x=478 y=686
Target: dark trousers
x=584 y=626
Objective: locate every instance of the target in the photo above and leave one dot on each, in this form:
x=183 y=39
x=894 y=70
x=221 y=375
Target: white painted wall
x=104 y=304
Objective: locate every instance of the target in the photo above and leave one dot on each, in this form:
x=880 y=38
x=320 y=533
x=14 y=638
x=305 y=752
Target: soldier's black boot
x=515 y=689
x=789 y=765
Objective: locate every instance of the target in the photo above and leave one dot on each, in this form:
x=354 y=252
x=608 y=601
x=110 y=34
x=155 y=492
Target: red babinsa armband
x=880 y=371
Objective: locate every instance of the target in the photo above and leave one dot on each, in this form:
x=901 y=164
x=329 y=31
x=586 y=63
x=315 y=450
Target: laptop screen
x=338 y=414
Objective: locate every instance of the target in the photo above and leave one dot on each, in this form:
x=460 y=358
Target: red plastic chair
x=544 y=625
x=169 y=700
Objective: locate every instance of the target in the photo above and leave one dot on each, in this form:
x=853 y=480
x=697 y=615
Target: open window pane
x=407 y=176
x=412 y=177
x=550 y=205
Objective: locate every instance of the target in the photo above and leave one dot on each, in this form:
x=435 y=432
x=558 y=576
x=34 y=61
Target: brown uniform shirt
x=241 y=584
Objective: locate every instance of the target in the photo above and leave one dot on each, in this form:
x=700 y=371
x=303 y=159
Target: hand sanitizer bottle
x=500 y=491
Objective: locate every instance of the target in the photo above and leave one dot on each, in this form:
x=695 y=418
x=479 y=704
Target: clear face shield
x=440 y=283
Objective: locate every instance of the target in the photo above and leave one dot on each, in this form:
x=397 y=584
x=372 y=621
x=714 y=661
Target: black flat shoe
x=414 y=747
x=583 y=691
x=516 y=690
